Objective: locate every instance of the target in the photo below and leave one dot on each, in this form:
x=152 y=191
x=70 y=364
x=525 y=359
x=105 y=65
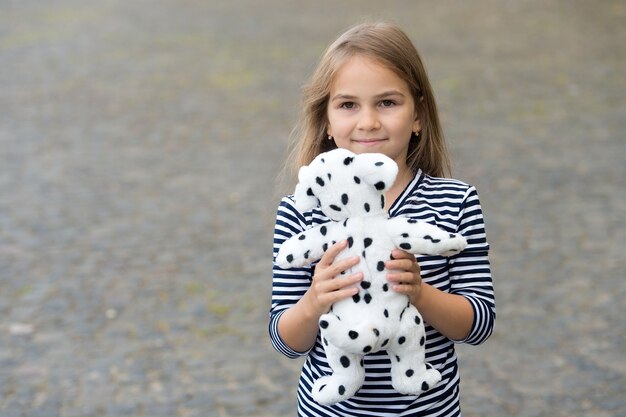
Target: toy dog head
x=344 y=184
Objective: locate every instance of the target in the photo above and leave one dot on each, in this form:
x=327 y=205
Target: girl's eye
x=347 y=105
x=387 y=103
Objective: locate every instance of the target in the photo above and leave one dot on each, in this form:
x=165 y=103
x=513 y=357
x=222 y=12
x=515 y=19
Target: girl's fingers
x=327 y=268
x=403 y=288
x=340 y=283
x=401 y=277
x=343 y=265
x=400 y=254
x=330 y=254
x=400 y=264
x=333 y=297
x=330 y=291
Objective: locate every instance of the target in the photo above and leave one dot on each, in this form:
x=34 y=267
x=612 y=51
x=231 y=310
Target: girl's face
x=371 y=109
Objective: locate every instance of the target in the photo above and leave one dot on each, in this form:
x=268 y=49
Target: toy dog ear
x=305 y=199
x=377 y=169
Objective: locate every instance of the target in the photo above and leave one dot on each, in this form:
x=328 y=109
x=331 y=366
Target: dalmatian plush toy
x=349 y=189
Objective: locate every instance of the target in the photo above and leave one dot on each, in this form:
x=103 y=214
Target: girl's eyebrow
x=343 y=97
x=390 y=93
x=380 y=96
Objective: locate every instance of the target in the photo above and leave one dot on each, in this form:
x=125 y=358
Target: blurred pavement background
x=139 y=146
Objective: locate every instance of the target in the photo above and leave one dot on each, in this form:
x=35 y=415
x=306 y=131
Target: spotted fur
x=350 y=190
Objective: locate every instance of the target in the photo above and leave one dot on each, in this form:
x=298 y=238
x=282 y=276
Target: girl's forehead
x=362 y=73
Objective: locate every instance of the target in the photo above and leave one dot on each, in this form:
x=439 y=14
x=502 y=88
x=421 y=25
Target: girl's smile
x=368 y=142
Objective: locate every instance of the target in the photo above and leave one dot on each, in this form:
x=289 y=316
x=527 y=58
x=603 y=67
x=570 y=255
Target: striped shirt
x=448 y=204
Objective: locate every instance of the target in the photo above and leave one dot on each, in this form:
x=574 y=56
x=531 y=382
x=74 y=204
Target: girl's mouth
x=368 y=142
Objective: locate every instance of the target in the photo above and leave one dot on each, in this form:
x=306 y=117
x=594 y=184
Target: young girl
x=370 y=93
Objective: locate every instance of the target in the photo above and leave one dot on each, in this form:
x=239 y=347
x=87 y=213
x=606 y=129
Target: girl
x=370 y=93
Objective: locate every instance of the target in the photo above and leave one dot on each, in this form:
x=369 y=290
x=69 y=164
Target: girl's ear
x=376 y=169
x=417 y=124
x=418 y=115
x=305 y=200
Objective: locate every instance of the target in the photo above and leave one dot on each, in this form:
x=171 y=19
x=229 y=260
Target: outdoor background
x=139 y=146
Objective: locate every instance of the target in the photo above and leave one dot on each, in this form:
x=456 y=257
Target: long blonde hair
x=390 y=46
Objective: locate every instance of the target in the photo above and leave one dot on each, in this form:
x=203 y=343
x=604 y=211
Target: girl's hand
x=324 y=290
x=405 y=278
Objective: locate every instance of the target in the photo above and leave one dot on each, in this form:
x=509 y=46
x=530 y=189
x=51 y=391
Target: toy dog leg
x=347 y=377
x=410 y=374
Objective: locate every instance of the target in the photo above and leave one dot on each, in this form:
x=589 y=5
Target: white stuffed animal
x=350 y=189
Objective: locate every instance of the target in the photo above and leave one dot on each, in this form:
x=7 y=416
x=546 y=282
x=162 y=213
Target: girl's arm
x=450 y=314
x=298 y=326
x=298 y=298
x=467 y=313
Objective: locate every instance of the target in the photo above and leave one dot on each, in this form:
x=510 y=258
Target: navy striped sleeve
x=288 y=285
x=470 y=272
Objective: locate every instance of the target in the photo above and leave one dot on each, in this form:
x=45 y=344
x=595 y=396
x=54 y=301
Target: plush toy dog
x=350 y=189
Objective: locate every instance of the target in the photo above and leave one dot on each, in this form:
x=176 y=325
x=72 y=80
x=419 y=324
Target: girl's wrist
x=421 y=301
x=308 y=308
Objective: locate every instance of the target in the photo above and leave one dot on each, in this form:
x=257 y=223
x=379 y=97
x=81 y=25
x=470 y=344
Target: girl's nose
x=368 y=120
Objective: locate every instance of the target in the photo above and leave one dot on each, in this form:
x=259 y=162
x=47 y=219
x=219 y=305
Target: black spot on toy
x=345 y=362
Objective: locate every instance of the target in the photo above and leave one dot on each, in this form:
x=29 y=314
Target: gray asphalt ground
x=139 y=146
